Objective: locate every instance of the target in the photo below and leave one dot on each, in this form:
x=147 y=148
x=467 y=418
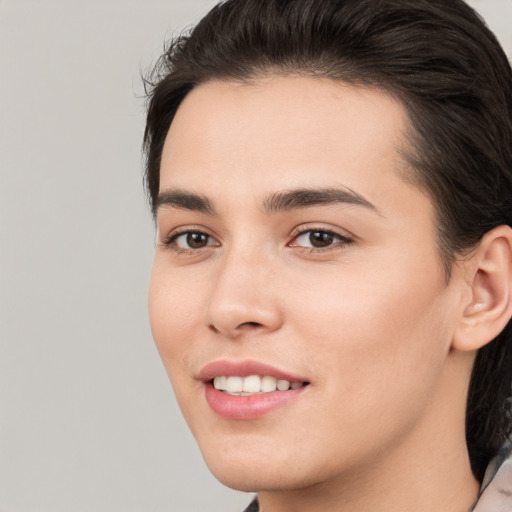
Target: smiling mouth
x=253 y=384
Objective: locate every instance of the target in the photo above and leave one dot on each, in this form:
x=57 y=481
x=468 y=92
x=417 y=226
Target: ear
x=489 y=305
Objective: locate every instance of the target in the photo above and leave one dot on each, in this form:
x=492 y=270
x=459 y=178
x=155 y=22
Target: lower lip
x=248 y=407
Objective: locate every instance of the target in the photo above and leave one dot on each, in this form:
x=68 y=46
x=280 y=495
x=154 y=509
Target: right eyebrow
x=184 y=201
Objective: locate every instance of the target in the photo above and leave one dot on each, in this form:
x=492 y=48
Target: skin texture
x=371 y=323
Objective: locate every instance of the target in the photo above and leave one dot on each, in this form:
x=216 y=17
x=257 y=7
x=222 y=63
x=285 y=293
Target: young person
x=332 y=286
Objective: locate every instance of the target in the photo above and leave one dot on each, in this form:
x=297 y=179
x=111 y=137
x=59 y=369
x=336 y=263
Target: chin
x=250 y=472
x=254 y=479
x=242 y=471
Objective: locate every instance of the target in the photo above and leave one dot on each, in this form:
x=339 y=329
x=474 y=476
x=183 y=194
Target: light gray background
x=88 y=421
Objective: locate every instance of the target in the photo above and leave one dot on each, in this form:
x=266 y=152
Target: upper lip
x=244 y=369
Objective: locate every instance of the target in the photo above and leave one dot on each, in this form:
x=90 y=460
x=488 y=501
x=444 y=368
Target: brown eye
x=191 y=240
x=197 y=240
x=321 y=239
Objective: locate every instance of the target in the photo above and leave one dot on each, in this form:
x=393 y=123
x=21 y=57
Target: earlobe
x=489 y=308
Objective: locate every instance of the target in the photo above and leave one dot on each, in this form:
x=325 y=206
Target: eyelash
x=342 y=242
x=170 y=241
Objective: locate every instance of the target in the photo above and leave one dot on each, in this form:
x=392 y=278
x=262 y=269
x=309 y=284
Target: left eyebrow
x=305 y=198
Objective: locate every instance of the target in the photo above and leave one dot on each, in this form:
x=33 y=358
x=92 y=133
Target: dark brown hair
x=440 y=60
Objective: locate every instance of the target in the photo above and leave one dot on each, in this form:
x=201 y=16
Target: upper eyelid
x=167 y=240
x=174 y=241
x=176 y=235
x=185 y=228
x=345 y=239
x=328 y=231
x=305 y=228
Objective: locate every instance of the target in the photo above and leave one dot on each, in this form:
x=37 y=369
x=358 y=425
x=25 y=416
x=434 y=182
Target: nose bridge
x=244 y=295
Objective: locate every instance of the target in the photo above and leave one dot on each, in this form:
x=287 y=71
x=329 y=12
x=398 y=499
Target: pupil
x=320 y=239
x=197 y=240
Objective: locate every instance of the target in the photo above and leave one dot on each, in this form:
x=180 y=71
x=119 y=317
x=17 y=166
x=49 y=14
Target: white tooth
x=234 y=384
x=252 y=384
x=219 y=383
x=283 y=385
x=268 y=384
x=296 y=385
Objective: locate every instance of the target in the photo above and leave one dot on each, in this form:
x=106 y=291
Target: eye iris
x=197 y=240
x=320 y=239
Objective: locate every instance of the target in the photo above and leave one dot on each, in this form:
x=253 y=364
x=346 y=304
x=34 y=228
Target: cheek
x=382 y=337
x=377 y=350
x=174 y=306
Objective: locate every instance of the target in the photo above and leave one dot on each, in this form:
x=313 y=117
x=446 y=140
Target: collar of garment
x=496 y=491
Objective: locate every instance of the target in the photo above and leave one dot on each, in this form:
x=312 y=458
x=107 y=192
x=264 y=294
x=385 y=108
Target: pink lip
x=246 y=407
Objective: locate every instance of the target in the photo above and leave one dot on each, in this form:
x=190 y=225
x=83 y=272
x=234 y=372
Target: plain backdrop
x=88 y=421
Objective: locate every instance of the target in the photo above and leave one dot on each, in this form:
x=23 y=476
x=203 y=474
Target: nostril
x=241 y=327
x=238 y=330
x=249 y=324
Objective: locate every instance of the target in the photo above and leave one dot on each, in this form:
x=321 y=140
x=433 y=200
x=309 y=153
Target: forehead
x=285 y=132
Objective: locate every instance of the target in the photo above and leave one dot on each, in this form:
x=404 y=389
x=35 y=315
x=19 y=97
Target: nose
x=244 y=297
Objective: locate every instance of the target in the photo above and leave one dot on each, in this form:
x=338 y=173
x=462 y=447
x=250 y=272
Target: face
x=292 y=253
